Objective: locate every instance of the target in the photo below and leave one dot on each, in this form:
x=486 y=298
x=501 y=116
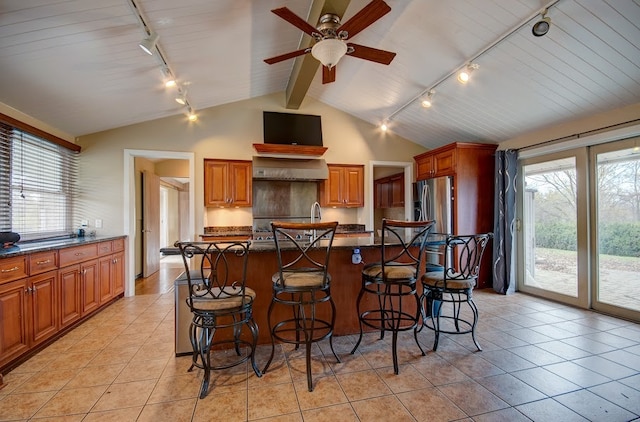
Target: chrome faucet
x=316 y=216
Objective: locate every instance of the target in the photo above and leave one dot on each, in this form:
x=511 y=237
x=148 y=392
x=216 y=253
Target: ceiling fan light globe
x=329 y=51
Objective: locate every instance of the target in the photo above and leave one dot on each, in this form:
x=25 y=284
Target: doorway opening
x=401 y=209
x=132 y=192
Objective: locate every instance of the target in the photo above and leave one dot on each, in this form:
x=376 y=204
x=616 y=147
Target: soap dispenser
x=356 y=258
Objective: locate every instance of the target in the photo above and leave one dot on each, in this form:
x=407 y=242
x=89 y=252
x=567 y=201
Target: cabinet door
x=70 y=310
x=331 y=190
x=240 y=183
x=378 y=194
x=425 y=167
x=117 y=273
x=397 y=191
x=216 y=183
x=354 y=186
x=14 y=339
x=90 y=286
x=445 y=162
x=43 y=306
x=104 y=278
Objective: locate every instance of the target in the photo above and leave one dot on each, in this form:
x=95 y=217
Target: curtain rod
x=578 y=135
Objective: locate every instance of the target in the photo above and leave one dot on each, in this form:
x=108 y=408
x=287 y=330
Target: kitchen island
x=345 y=284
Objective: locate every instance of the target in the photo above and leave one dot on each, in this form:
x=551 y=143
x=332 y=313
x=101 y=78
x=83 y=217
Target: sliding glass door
x=552 y=227
x=579 y=227
x=616 y=227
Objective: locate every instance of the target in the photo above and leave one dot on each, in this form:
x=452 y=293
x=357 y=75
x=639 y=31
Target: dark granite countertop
x=41 y=246
x=230 y=231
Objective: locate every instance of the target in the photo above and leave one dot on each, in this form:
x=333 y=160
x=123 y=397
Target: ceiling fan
x=331 y=38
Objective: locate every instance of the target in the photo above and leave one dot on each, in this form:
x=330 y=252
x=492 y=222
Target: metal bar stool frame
x=446 y=290
x=392 y=280
x=218 y=302
x=302 y=282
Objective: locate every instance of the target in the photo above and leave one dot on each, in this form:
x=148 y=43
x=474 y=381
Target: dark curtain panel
x=504 y=276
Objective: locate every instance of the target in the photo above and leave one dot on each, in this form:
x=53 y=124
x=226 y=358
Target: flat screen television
x=292 y=129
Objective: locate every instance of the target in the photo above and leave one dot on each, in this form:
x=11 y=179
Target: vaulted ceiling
x=76 y=64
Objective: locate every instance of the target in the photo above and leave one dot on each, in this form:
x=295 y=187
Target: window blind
x=38 y=189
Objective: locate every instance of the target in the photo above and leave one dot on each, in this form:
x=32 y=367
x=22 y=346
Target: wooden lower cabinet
x=70 y=309
x=117 y=273
x=89 y=286
x=28 y=313
x=106 y=285
x=44 y=292
x=43 y=306
x=14 y=340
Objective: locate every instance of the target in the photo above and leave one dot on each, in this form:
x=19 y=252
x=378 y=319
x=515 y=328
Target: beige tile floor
x=541 y=361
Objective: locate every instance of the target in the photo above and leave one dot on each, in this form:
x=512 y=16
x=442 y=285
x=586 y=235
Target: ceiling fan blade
x=295 y=20
x=287 y=56
x=365 y=17
x=328 y=75
x=371 y=54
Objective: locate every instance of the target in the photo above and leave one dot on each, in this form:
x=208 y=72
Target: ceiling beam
x=306 y=66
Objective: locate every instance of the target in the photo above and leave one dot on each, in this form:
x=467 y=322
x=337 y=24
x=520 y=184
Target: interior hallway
x=542 y=361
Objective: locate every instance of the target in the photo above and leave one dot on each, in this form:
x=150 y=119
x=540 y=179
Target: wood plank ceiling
x=76 y=65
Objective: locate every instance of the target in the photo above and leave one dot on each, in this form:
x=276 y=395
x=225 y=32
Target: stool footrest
x=285 y=331
x=429 y=323
x=382 y=320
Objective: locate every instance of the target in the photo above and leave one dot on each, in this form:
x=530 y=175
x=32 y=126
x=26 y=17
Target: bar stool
x=220 y=302
x=302 y=282
x=445 y=291
x=393 y=280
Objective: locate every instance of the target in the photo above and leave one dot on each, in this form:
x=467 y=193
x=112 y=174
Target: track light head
x=541 y=27
x=149 y=44
x=181 y=98
x=427 y=100
x=465 y=74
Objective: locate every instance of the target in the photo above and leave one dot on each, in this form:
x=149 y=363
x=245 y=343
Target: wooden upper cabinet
x=227 y=183
x=344 y=188
x=440 y=162
x=389 y=191
x=397 y=190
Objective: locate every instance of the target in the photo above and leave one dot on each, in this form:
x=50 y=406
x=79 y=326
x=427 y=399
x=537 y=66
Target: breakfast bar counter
x=345 y=284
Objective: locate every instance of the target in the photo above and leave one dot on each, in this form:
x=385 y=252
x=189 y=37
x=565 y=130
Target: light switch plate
x=98 y=223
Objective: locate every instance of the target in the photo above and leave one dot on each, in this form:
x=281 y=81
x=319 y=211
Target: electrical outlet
x=84 y=222
x=98 y=223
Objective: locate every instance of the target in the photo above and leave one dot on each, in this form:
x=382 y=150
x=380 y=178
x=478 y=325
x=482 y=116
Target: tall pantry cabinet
x=472 y=167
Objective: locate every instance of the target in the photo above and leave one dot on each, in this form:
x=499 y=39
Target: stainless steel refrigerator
x=433 y=200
